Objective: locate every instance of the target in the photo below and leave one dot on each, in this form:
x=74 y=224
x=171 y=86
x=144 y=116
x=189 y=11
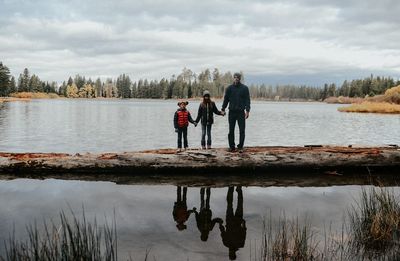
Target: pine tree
x=4 y=80
x=79 y=81
x=25 y=81
x=70 y=81
x=35 y=84
x=98 y=88
x=13 y=86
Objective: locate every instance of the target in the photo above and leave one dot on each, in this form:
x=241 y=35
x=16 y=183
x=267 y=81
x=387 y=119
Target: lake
x=144 y=213
x=129 y=125
x=145 y=220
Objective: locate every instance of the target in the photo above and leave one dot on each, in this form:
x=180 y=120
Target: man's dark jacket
x=238 y=97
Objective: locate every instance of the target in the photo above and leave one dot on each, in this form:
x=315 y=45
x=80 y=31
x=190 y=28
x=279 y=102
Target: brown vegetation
x=387 y=103
x=34 y=95
x=372 y=107
x=375 y=222
x=343 y=100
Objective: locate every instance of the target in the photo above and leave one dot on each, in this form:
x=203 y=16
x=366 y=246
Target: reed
x=374 y=223
x=289 y=240
x=73 y=239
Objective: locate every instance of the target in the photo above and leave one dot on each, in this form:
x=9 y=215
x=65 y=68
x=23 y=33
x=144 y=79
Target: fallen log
x=260 y=161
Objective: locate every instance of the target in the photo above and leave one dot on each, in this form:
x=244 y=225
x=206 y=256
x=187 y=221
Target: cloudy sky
x=299 y=41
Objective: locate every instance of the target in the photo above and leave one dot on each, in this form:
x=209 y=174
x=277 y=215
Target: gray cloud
x=308 y=39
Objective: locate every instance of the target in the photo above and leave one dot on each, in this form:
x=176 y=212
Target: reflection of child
x=204 y=220
x=182 y=118
x=181 y=213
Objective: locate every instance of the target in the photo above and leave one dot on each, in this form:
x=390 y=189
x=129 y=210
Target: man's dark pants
x=238 y=116
x=182 y=132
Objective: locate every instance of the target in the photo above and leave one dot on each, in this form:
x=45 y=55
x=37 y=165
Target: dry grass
x=343 y=100
x=73 y=239
x=372 y=107
x=34 y=95
x=289 y=240
x=387 y=103
x=375 y=223
x=391 y=95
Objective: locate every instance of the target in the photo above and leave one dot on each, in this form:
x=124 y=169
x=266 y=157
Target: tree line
x=187 y=84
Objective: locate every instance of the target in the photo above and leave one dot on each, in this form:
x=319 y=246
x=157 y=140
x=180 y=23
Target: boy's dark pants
x=205 y=129
x=240 y=118
x=182 y=132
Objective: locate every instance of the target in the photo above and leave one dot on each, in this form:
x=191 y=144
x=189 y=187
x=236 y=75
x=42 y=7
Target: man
x=237 y=96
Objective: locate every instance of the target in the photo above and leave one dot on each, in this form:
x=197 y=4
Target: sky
x=274 y=42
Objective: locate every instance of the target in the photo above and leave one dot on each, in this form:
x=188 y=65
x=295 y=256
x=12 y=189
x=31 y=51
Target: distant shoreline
x=27 y=96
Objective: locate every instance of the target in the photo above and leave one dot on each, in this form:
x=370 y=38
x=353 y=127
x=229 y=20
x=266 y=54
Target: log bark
x=259 y=161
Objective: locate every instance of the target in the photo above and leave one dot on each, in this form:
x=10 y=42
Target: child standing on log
x=206 y=112
x=182 y=118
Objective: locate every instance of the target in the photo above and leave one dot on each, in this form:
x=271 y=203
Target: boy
x=182 y=118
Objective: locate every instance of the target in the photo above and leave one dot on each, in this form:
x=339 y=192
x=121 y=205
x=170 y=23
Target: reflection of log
x=261 y=160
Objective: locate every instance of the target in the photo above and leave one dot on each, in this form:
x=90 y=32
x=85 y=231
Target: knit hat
x=185 y=102
x=205 y=93
x=236 y=74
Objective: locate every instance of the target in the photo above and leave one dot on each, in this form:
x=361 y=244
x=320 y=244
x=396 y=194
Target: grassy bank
x=343 y=100
x=34 y=95
x=27 y=96
x=372 y=107
x=387 y=103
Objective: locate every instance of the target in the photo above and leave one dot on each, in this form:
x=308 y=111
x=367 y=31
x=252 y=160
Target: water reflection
x=233 y=231
x=180 y=212
x=205 y=222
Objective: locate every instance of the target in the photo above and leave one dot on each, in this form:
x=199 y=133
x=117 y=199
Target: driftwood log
x=256 y=165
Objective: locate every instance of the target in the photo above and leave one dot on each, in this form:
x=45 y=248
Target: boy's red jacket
x=182 y=118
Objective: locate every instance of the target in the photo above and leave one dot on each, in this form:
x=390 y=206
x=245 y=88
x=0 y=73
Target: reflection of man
x=180 y=212
x=204 y=220
x=234 y=233
x=237 y=96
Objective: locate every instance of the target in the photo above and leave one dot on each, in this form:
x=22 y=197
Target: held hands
x=195 y=124
x=223 y=112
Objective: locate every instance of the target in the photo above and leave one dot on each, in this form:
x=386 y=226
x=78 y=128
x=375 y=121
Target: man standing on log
x=237 y=96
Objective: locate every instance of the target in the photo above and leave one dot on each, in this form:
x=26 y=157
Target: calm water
x=128 y=125
x=144 y=213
